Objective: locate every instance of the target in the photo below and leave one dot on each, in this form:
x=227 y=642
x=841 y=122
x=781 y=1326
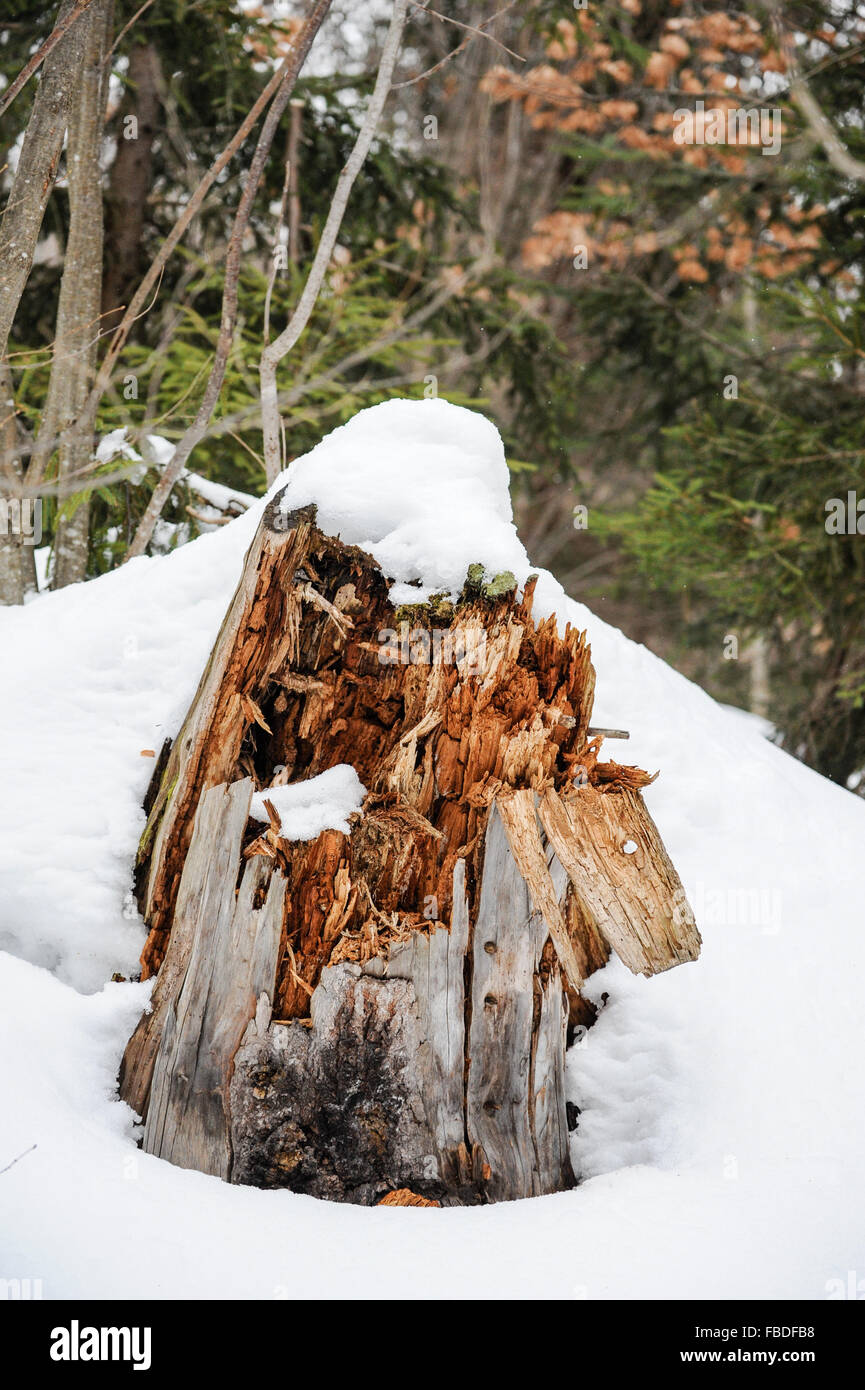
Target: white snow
x=321 y=803
x=116 y=445
x=220 y=499
x=158 y=450
x=421 y=485
x=217 y=495
x=721 y=1138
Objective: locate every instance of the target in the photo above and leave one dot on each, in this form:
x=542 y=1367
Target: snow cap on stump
x=422 y=486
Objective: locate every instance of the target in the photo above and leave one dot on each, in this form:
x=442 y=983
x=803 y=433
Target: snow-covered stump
x=356 y=1001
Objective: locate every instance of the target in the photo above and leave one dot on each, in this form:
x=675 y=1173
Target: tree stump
x=383 y=1015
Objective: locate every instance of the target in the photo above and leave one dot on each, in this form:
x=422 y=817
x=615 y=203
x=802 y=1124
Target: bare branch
x=824 y=132
x=228 y=322
x=60 y=28
x=455 y=52
x=176 y=234
x=37 y=168
x=469 y=28
x=125 y=30
x=274 y=352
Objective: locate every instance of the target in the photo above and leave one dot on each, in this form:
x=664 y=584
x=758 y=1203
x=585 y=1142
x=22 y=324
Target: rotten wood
x=408 y=1029
x=366 y=1096
x=255 y=640
x=517 y=812
x=623 y=876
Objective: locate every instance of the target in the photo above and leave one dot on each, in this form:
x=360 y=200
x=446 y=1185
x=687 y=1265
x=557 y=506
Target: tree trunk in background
x=11 y=578
x=130 y=181
x=19 y=233
x=758 y=651
x=384 y=1012
x=37 y=168
x=757 y=655
x=17 y=559
x=78 y=323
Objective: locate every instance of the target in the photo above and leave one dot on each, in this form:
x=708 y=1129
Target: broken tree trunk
x=383 y=1014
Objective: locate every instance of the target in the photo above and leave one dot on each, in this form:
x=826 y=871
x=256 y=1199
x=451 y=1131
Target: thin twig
x=176 y=234
x=274 y=352
x=469 y=28
x=455 y=52
x=195 y=431
x=125 y=30
x=818 y=123
x=17 y=1160
x=42 y=53
x=825 y=133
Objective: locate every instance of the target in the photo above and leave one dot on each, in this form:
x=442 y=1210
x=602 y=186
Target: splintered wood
x=426 y=966
x=403 y=1197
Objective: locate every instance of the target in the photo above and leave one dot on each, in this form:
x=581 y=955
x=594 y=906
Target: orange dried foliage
x=404 y=1197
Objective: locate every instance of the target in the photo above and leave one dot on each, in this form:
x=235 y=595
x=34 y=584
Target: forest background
x=665 y=322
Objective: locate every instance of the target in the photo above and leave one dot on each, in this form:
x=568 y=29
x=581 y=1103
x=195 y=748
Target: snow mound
x=721 y=1132
x=422 y=486
x=321 y=803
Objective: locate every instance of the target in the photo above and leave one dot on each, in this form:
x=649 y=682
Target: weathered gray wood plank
x=547 y=1090
x=435 y=964
x=515 y=1076
x=231 y=966
x=219 y=824
x=520 y=821
x=636 y=899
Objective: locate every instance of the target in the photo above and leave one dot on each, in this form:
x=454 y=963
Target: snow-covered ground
x=722 y=1133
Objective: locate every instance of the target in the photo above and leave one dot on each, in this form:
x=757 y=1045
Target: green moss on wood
x=500 y=585
x=478 y=586
x=475 y=578
x=439 y=608
x=159 y=808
